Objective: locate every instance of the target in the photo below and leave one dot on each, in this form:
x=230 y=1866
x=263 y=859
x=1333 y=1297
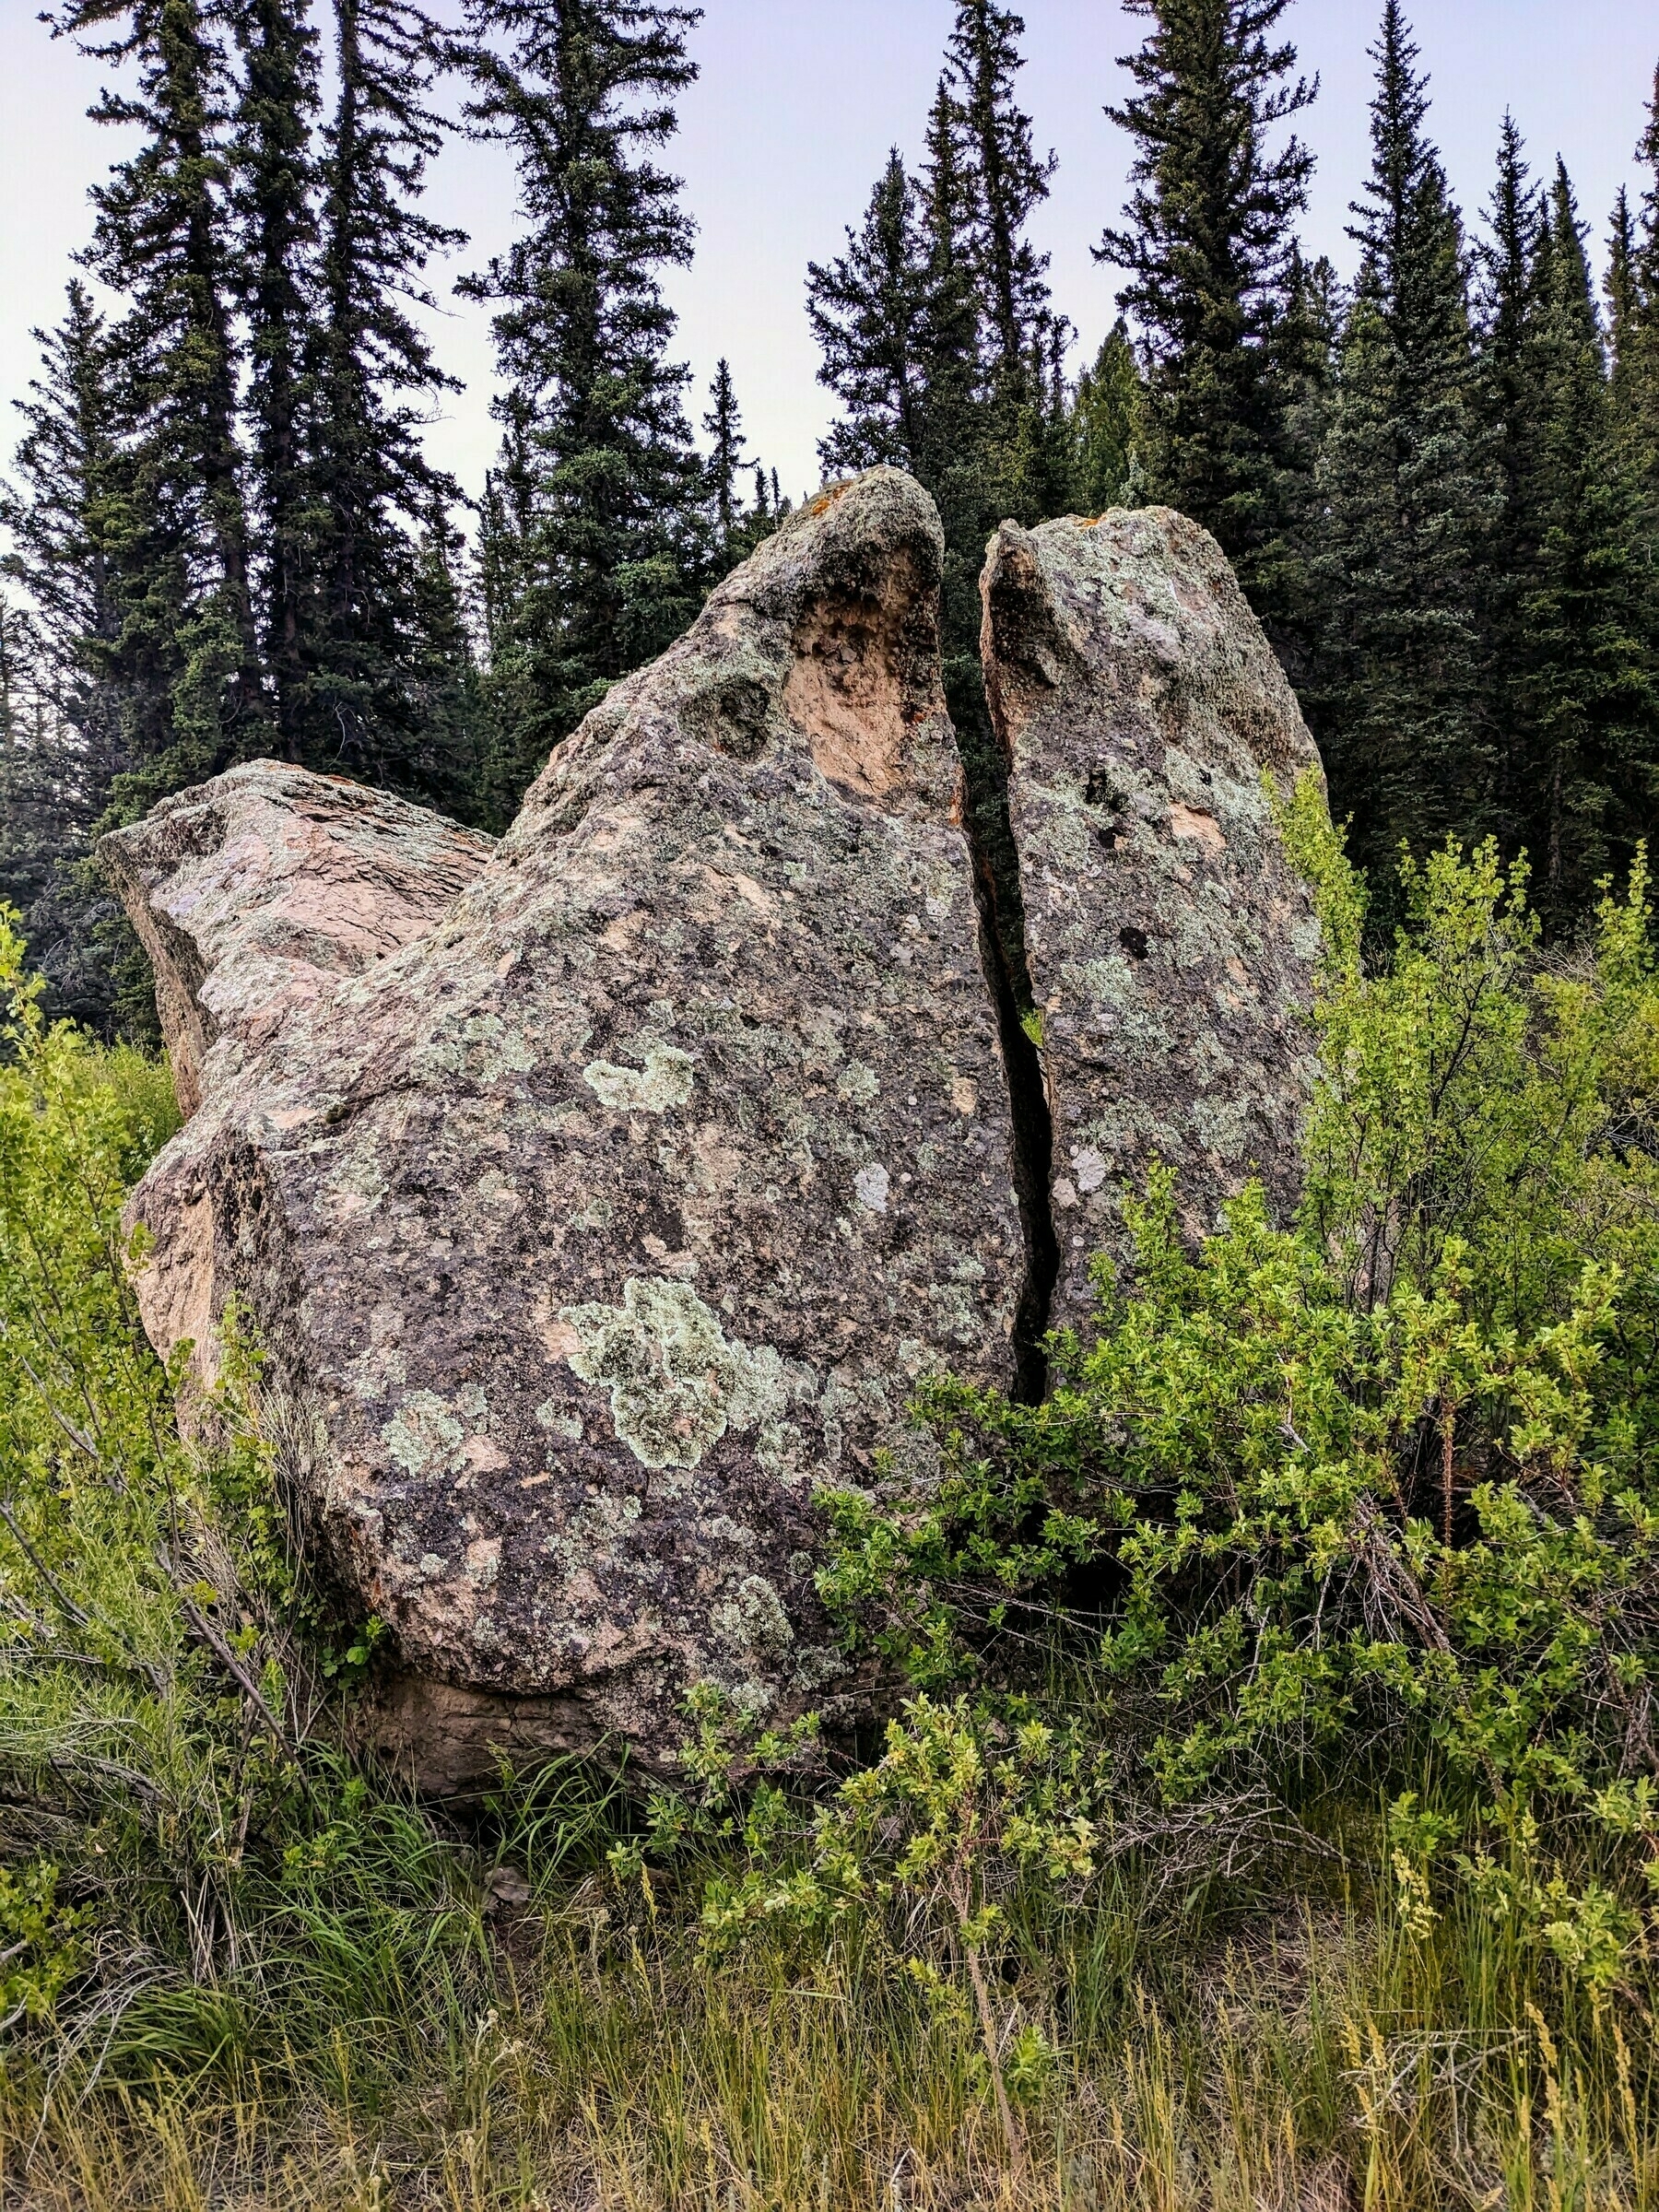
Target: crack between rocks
x=1000 y=898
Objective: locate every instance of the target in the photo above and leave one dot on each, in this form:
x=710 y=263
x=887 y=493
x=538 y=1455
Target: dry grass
x=1309 y=2064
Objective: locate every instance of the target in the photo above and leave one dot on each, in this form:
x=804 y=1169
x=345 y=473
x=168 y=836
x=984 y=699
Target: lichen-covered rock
x=1171 y=944
x=590 y=1231
x=253 y=892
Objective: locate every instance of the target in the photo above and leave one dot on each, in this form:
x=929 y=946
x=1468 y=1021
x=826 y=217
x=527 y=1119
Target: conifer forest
x=1243 y=1794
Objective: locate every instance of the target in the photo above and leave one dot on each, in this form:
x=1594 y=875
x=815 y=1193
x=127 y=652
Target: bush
x=197 y=1871
x=1372 y=1495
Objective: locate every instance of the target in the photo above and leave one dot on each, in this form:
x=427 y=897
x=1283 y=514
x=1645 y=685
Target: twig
x=77 y=1437
x=77 y=1614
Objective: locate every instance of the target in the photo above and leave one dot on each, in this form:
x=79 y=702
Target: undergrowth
x=1269 y=1820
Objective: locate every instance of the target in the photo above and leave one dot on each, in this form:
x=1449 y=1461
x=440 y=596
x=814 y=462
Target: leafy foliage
x=178 y=1817
x=1378 y=1487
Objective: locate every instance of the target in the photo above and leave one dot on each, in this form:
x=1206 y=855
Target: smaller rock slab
x=253 y=892
x=1171 y=942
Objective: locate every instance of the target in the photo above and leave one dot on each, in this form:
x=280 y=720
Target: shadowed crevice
x=1000 y=897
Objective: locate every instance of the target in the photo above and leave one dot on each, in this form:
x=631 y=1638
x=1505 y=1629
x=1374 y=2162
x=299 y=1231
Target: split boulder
x=590 y=1231
x=1149 y=732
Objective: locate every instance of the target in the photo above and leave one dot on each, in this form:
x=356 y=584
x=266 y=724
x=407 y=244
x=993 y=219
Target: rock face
x=1170 y=943
x=253 y=892
x=599 y=1196
x=590 y=1230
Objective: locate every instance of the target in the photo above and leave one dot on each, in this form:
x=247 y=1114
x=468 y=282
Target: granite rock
x=1170 y=944
x=588 y=1232
x=253 y=892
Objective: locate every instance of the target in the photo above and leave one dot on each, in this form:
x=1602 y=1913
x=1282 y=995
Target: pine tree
x=582 y=92
x=275 y=175
x=1210 y=251
x=1585 y=715
x=375 y=376
x=1407 y=498
x=869 y=311
x=163 y=236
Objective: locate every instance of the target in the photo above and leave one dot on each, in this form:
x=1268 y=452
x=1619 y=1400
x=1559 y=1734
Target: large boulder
x=253 y=892
x=593 y=1230
x=1146 y=720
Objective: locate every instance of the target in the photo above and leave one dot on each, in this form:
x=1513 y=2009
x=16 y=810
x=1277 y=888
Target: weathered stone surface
x=590 y=1231
x=1170 y=944
x=254 y=891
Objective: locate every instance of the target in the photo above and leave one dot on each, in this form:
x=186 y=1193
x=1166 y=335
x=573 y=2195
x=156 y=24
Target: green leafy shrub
x=195 y=1867
x=1373 y=1493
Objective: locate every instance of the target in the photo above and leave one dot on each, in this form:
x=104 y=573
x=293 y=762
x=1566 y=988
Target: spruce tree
x=67 y=513
x=375 y=377
x=1506 y=262
x=1108 y=426
x=163 y=236
x=1408 y=498
x=1506 y=395
x=1624 y=298
x=1582 y=729
x=583 y=91
x=504 y=529
x=31 y=826
x=276 y=180
x=1636 y=312
x=869 y=314
x=724 y=424
x=987 y=168
x=1004 y=181
x=953 y=422
x=938 y=336
x=1210 y=249
x=963 y=424
x=91 y=670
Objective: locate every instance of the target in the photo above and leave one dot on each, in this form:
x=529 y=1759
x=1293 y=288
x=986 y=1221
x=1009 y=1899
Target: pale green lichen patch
x=677 y=1383
x=665 y=1080
x=872 y=1184
x=1223 y=1126
x=752 y=1618
x=481 y=1047
x=423 y=1436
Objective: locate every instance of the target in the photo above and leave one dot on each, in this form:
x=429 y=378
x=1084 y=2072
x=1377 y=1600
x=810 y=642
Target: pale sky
x=783 y=135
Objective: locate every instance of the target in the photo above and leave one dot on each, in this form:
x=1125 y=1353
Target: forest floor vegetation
x=1267 y=1822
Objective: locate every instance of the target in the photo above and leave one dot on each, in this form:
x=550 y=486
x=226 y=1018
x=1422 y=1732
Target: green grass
x=402 y=2037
